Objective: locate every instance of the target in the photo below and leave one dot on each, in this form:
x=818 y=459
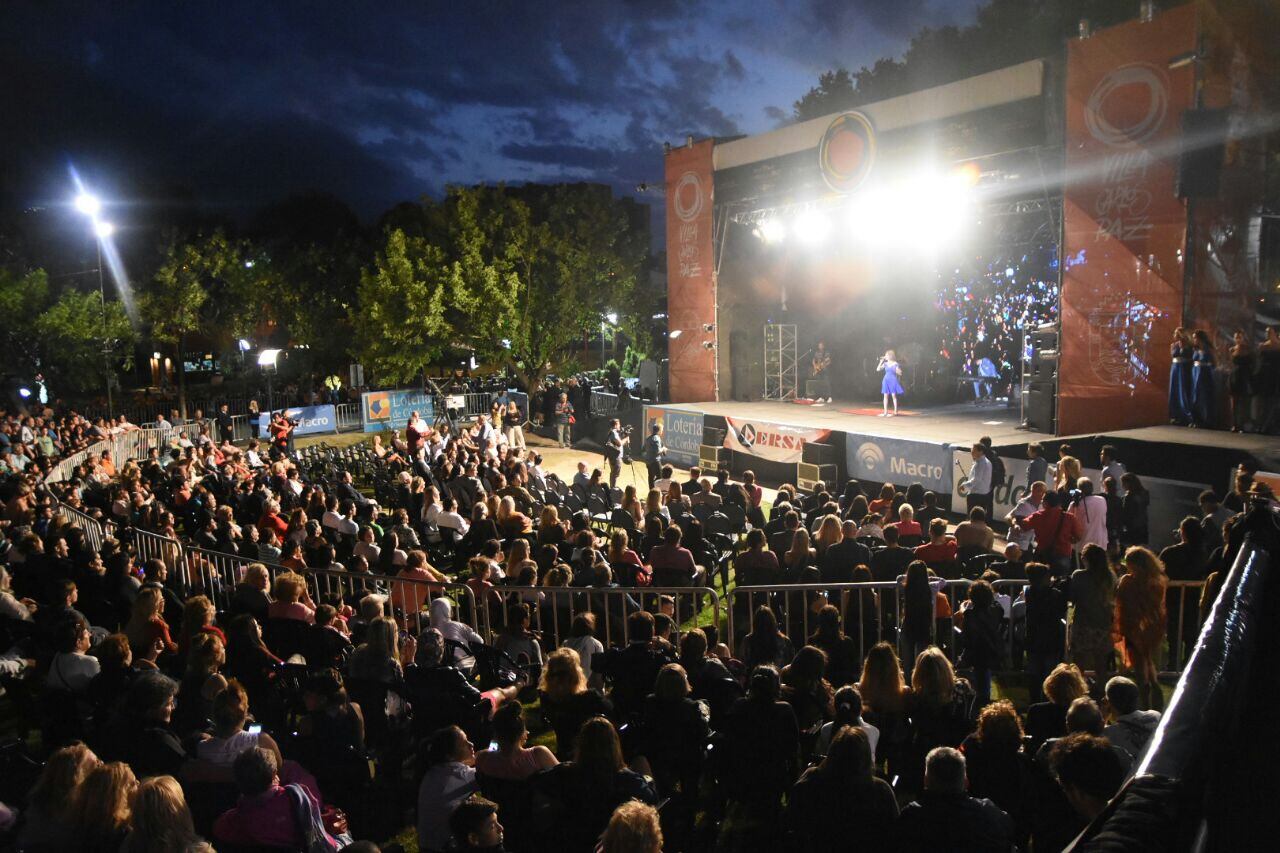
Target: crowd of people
x=172 y=707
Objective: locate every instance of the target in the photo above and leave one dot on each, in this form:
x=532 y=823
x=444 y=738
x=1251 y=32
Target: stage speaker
x=1200 y=159
x=1040 y=406
x=713 y=435
x=711 y=457
x=816 y=453
x=809 y=475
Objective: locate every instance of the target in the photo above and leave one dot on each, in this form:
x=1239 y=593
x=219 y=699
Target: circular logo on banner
x=1127 y=106
x=747 y=435
x=870 y=456
x=847 y=152
x=688 y=198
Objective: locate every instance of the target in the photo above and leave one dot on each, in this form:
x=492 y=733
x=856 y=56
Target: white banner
x=775 y=442
x=1171 y=500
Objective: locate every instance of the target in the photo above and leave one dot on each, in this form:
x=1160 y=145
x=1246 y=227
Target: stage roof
x=993 y=89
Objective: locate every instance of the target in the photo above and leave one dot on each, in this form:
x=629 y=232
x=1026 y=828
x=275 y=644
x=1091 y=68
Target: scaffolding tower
x=781 y=374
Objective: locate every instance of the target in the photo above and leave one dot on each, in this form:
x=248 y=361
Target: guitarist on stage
x=818 y=373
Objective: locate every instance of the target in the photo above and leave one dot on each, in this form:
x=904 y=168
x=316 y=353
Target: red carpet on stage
x=902 y=413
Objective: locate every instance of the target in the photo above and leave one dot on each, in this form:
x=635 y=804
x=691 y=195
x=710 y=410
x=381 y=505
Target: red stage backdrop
x=1122 y=281
x=691 y=283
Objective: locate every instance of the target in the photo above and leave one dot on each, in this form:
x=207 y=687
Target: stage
x=931 y=447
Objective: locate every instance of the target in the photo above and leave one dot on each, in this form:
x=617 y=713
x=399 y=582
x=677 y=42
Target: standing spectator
x=225 y=432
x=1044 y=640
x=1240 y=381
x=1111 y=466
x=1054 y=532
x=1092 y=594
x=981 y=643
x=1047 y=720
x=978 y=483
x=1037 y=465
x=1024 y=538
x=1133 y=508
x=1140 y=621
x=564 y=420
x=1089 y=511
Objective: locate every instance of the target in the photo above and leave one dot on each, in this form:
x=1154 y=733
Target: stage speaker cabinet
x=713 y=435
x=1200 y=159
x=1040 y=408
x=817 y=453
x=809 y=475
x=711 y=457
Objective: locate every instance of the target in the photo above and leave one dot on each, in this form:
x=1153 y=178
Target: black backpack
x=997 y=469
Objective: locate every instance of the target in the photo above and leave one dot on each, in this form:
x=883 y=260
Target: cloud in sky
x=380 y=102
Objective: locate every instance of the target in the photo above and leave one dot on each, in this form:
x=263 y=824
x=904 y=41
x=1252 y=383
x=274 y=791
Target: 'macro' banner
x=776 y=442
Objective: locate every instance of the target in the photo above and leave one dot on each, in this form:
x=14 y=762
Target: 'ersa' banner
x=775 y=442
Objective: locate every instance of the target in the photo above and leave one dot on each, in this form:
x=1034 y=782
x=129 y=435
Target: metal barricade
x=95 y=533
x=62 y=471
x=153 y=546
x=348 y=416
x=797 y=606
x=552 y=610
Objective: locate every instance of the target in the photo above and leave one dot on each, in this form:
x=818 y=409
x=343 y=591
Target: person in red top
x=883 y=505
x=907 y=524
x=273 y=520
x=672 y=564
x=1055 y=533
x=483 y=590
x=940 y=548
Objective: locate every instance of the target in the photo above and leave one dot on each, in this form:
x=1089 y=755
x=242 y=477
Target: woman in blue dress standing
x=1180 y=378
x=891 y=386
x=1202 y=362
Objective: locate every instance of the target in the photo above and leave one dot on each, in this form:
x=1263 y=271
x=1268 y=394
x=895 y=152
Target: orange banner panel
x=1124 y=228
x=691 y=283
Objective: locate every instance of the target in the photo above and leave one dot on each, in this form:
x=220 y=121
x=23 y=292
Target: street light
x=103 y=229
x=267 y=361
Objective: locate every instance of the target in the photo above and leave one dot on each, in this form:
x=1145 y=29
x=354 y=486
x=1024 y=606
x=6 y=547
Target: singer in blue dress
x=1202 y=404
x=891 y=385
x=1180 y=378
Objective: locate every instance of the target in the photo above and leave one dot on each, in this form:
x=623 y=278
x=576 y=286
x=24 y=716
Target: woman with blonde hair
x=799 y=557
x=567 y=702
x=146 y=625
x=1068 y=475
x=202 y=682
x=942 y=710
x=378 y=657
x=829 y=533
x=1141 y=620
x=100 y=810
x=633 y=828
x=161 y=821
x=631 y=504
x=511 y=522
x=50 y=803
x=198 y=615
x=292 y=599
x=1048 y=719
x=550 y=530
x=653 y=505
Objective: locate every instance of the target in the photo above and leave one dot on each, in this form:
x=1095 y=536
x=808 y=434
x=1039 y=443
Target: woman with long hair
x=1180 y=350
x=550 y=530
x=100 y=812
x=829 y=533
x=50 y=804
x=799 y=556
x=202 y=682
x=1141 y=621
x=160 y=820
x=857 y=509
x=1068 y=474
x=766 y=645
x=806 y=689
x=378 y=657
x=1092 y=593
x=631 y=504
x=996 y=766
x=841 y=799
x=567 y=702
x=626 y=564
x=146 y=622
x=1202 y=364
x=919 y=607
x=512 y=759
x=884 y=503
x=843 y=659
x=942 y=708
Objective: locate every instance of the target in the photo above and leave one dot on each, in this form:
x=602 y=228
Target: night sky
x=234 y=104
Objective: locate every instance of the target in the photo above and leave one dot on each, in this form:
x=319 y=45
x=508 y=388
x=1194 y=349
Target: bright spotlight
x=103 y=229
x=676 y=333
x=24 y=393
x=245 y=346
x=612 y=318
x=772 y=231
x=88 y=204
x=812 y=227
x=267 y=357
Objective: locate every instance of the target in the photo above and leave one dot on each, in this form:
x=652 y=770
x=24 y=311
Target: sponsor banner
x=383 y=410
x=681 y=433
x=311 y=420
x=691 y=284
x=775 y=442
x=892 y=460
x=1124 y=228
x=1171 y=500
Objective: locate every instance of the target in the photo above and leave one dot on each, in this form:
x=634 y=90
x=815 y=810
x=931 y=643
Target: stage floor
x=964 y=423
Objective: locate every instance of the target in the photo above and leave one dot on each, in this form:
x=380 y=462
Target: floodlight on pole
x=268 y=357
x=103 y=229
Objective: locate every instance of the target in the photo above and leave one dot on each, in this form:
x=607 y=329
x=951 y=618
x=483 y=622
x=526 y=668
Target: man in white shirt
x=1030 y=502
x=663 y=483
x=251 y=455
x=1111 y=467
x=448 y=517
x=978 y=483
x=343 y=521
x=1090 y=514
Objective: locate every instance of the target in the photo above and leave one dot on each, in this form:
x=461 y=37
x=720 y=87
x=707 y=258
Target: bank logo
x=870 y=457
x=1127 y=106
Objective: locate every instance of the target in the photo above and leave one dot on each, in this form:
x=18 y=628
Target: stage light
x=772 y=231
x=708 y=327
x=268 y=357
x=245 y=346
x=812 y=227
x=967 y=175
x=24 y=393
x=708 y=345
x=88 y=204
x=103 y=229
x=156 y=356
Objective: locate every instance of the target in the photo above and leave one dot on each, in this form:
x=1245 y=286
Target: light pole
x=91 y=206
x=267 y=361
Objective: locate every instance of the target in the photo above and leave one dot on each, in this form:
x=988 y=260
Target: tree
x=203 y=285
x=401 y=327
x=60 y=334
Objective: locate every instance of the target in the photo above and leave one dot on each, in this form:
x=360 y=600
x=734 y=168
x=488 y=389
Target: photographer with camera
x=615 y=449
x=654 y=452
